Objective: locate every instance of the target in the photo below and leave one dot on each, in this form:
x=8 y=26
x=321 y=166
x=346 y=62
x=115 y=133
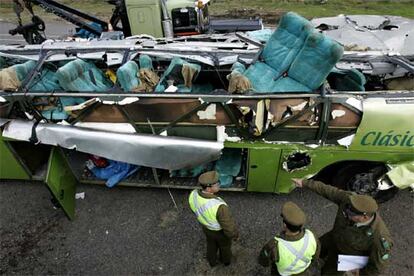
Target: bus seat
x=285 y=43
x=315 y=61
x=279 y=52
x=183 y=74
x=228 y=166
x=347 y=80
x=79 y=75
x=127 y=75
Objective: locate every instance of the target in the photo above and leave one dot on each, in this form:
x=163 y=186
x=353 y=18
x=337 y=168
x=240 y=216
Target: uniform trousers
x=217 y=242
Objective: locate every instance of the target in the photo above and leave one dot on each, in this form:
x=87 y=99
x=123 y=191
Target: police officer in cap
x=358 y=230
x=214 y=216
x=296 y=250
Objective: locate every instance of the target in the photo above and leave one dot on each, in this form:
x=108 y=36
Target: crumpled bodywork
x=402 y=175
x=140 y=149
x=370 y=32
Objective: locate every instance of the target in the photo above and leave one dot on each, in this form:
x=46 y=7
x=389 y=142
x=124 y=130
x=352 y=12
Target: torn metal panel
x=296 y=161
x=402 y=175
x=374 y=32
x=280 y=109
x=337 y=113
x=222 y=136
x=346 y=141
x=341 y=116
x=170 y=153
x=4 y=121
x=115 y=127
x=355 y=103
x=208 y=114
x=253 y=112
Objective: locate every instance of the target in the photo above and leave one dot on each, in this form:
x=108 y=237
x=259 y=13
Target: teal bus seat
x=145 y=62
x=228 y=166
x=295 y=59
x=347 y=80
x=23 y=69
x=286 y=41
x=45 y=81
x=79 y=75
x=315 y=60
x=127 y=75
x=175 y=72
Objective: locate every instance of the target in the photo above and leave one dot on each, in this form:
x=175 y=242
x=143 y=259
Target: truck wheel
x=363 y=179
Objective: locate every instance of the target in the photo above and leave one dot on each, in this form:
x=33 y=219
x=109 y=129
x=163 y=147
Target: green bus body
x=387 y=141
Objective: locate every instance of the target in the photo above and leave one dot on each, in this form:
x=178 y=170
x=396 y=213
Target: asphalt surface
x=138 y=231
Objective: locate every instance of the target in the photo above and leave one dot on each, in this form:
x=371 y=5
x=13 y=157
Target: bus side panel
x=262 y=169
x=10 y=165
x=323 y=157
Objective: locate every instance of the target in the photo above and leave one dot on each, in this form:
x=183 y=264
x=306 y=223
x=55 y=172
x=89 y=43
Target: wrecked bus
x=259 y=107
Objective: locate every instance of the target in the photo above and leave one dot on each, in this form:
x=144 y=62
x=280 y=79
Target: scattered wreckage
x=259 y=107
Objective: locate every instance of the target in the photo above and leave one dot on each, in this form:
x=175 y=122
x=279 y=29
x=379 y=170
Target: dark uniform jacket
x=372 y=240
x=269 y=254
x=224 y=217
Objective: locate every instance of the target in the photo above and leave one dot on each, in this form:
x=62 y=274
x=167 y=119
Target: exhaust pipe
x=166 y=21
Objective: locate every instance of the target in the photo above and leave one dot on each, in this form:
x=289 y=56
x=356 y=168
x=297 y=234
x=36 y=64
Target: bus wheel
x=363 y=179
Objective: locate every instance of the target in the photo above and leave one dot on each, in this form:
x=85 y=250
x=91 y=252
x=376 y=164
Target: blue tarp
x=114 y=173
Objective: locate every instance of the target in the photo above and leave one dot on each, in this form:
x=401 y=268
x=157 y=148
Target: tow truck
x=157 y=18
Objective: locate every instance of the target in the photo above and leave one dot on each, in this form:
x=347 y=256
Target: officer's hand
x=298 y=182
x=354 y=272
x=236 y=238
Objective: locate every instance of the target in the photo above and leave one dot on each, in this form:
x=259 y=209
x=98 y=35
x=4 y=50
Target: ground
x=138 y=231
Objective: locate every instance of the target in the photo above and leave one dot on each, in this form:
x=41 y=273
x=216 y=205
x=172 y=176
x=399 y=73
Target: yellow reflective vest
x=295 y=256
x=206 y=210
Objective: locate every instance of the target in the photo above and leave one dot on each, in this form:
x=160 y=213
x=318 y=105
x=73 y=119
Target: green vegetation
x=269 y=10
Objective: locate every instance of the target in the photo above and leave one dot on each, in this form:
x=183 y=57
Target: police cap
x=292 y=214
x=208 y=178
x=364 y=204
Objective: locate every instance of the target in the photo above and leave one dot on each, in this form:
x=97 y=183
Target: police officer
x=214 y=216
x=358 y=230
x=296 y=250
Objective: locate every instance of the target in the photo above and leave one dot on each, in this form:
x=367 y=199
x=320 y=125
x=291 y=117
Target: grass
x=269 y=10
x=312 y=9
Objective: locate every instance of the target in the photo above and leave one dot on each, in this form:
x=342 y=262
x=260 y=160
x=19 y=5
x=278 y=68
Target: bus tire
x=362 y=178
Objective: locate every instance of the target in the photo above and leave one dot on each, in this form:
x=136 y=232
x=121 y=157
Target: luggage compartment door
x=11 y=166
x=61 y=181
x=263 y=167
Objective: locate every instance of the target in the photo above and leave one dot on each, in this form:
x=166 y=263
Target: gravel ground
x=138 y=231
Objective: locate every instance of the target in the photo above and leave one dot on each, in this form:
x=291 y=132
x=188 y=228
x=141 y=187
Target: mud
x=269 y=17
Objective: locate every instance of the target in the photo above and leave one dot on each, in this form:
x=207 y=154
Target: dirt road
x=137 y=231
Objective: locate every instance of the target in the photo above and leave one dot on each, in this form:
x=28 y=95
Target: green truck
x=156 y=18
